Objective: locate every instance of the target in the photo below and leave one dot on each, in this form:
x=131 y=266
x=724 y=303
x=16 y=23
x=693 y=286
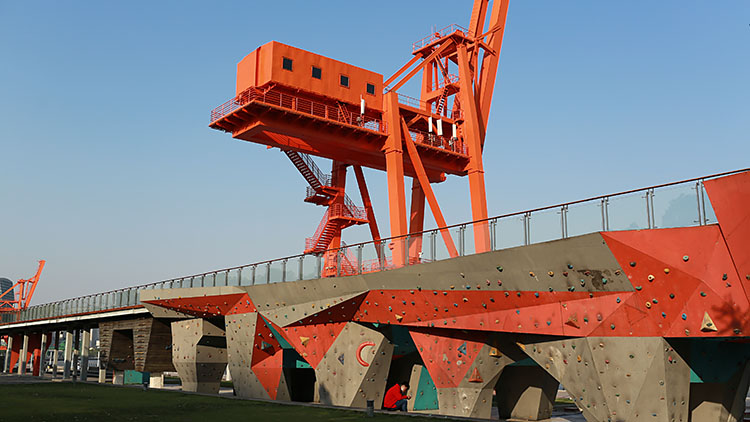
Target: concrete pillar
x=85 y=345
x=22 y=358
x=156 y=380
x=6 y=366
x=43 y=355
x=76 y=352
x=118 y=377
x=526 y=392
x=68 y=356
x=199 y=354
x=56 y=334
x=102 y=375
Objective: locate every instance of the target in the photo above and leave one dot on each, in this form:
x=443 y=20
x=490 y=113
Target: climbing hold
x=475 y=376
x=304 y=340
x=685 y=258
x=684 y=316
x=651 y=277
x=604 y=281
x=708 y=323
x=499 y=268
x=550 y=273
x=648 y=305
x=570 y=266
x=618 y=300
x=612 y=326
x=654 y=300
x=341 y=358
x=703 y=294
x=494 y=352
x=663 y=314
x=571 y=288
x=462 y=348
x=725 y=276
x=462 y=275
x=565 y=273
x=549 y=322
x=536 y=294
x=573 y=321
x=531 y=273
x=671 y=295
x=639 y=288
x=399 y=318
x=666 y=271
x=632 y=263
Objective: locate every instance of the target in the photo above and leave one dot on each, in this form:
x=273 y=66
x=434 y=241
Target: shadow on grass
x=87 y=402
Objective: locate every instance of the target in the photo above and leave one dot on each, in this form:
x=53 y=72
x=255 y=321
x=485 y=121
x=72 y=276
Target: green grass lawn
x=87 y=402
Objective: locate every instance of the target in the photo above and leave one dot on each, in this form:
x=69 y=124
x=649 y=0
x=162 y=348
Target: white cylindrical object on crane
x=454 y=131
x=440 y=127
x=429 y=124
x=361 y=105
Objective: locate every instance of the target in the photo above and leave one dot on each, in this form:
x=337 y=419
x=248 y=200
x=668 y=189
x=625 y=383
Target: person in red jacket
x=396 y=398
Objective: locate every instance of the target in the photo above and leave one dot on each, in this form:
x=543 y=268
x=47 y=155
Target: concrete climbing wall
x=525 y=392
x=618 y=379
x=255 y=358
x=199 y=354
x=354 y=368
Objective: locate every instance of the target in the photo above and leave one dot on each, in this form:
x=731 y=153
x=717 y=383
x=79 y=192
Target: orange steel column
x=336 y=209
x=416 y=221
x=472 y=137
x=365 y=194
x=394 y=167
x=428 y=193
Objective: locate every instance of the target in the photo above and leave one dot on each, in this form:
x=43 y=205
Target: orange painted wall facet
x=265 y=65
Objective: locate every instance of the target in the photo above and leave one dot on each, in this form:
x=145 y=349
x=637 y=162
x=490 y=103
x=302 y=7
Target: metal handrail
x=382 y=263
x=438 y=35
x=300 y=105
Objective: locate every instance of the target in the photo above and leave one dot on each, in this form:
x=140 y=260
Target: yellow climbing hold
x=399 y=318
x=304 y=340
x=708 y=323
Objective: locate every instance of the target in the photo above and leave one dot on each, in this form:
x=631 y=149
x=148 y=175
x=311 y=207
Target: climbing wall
x=464 y=367
x=255 y=358
x=354 y=368
x=199 y=354
x=618 y=379
x=525 y=391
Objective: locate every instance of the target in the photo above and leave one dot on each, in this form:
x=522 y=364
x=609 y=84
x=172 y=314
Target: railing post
x=653 y=216
x=564 y=221
x=338 y=262
x=703 y=203
x=462 y=240
x=268 y=273
x=283 y=270
x=254 y=270
x=493 y=234
x=407 y=254
x=359 y=258
x=319 y=266
x=526 y=230
x=605 y=213
x=301 y=267
x=433 y=245
x=648 y=209
x=239 y=276
x=698 y=199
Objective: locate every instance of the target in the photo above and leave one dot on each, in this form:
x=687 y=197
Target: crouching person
x=396 y=398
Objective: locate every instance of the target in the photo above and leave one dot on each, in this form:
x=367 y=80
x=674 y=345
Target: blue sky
x=112 y=175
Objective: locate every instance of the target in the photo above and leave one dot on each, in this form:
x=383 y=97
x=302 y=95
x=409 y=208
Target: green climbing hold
x=499 y=268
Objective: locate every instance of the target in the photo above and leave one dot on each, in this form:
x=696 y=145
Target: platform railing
x=438 y=35
x=298 y=104
x=678 y=204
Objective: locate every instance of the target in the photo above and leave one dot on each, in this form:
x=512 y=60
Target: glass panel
x=221 y=278
x=292 y=269
x=545 y=225
x=584 y=218
x=628 y=212
x=310 y=267
x=233 y=277
x=676 y=206
x=277 y=271
x=510 y=232
x=261 y=271
x=708 y=211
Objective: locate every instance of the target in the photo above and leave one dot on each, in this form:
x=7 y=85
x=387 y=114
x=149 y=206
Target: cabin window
x=371 y=89
x=317 y=73
x=344 y=81
x=287 y=64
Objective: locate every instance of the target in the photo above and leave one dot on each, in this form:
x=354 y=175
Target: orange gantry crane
x=310 y=105
x=18 y=296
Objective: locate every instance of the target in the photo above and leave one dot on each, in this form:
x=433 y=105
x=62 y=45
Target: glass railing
x=678 y=204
